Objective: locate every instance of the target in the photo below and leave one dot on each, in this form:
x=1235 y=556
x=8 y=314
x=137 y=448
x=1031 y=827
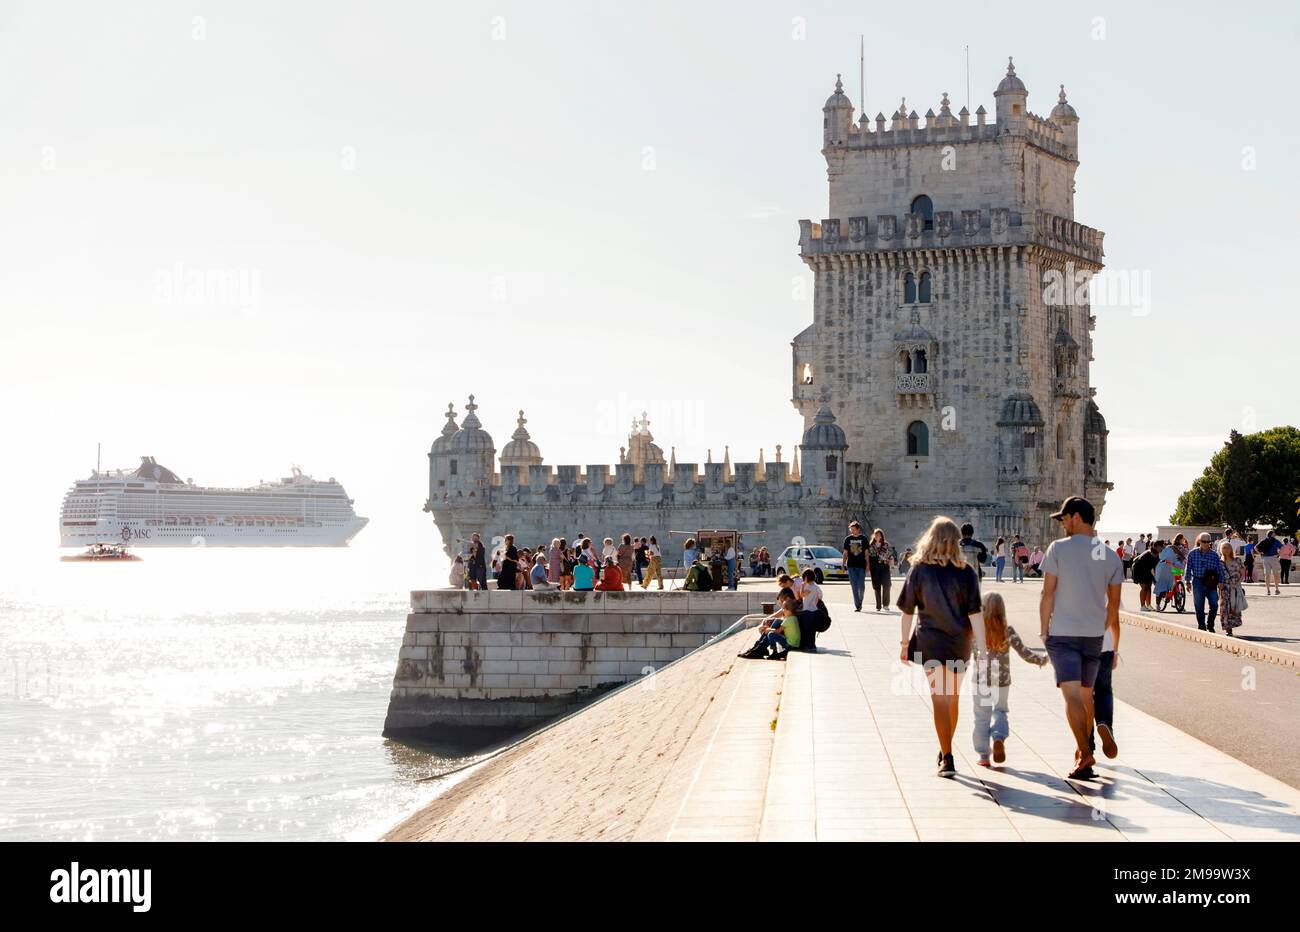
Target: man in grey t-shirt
x=1082 y=579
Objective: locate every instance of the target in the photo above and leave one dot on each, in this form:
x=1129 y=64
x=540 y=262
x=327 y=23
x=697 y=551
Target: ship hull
x=212 y=536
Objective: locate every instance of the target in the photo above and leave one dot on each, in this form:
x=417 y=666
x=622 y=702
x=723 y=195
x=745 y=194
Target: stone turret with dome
x=443 y=441
x=1011 y=97
x=838 y=116
x=521 y=451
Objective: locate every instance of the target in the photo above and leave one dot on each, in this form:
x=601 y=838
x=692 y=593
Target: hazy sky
x=580 y=209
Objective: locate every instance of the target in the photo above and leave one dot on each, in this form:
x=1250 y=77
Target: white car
x=795 y=560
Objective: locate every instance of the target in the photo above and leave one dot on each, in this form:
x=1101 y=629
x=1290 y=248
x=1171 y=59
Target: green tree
x=1240 y=483
x=1276 y=456
x=1253 y=479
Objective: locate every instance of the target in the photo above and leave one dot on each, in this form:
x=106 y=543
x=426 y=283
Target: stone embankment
x=480 y=665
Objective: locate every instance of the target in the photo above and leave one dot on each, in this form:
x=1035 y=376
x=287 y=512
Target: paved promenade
x=840 y=746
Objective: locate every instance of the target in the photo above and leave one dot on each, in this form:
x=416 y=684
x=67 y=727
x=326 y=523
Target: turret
x=823 y=449
x=838 y=116
x=1094 y=448
x=1019 y=444
x=470 y=455
x=1011 y=98
x=521 y=451
x=439 y=458
x=1064 y=116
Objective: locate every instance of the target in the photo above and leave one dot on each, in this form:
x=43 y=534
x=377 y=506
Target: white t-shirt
x=811 y=595
x=654 y=550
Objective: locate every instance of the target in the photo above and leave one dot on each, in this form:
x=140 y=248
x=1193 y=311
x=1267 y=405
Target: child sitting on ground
x=993 y=679
x=779 y=632
x=782 y=629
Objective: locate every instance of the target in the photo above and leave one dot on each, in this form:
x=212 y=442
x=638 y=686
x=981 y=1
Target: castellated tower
x=951 y=330
x=945 y=370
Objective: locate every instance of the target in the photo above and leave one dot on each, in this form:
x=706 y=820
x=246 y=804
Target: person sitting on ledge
x=538 y=576
x=781 y=631
x=611 y=577
x=584 y=577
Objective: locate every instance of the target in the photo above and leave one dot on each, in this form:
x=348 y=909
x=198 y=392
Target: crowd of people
x=947 y=621
x=559 y=565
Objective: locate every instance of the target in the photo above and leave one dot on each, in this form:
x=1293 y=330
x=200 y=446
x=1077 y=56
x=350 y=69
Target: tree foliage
x=1252 y=479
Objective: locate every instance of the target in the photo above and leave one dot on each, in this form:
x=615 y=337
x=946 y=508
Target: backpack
x=699 y=579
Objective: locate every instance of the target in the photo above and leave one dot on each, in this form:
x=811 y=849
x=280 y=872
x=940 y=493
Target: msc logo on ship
x=129 y=534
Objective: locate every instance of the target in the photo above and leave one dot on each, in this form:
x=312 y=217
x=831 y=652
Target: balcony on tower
x=915 y=374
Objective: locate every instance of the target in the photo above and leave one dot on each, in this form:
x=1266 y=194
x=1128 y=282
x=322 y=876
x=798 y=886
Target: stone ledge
x=1242 y=648
x=633 y=601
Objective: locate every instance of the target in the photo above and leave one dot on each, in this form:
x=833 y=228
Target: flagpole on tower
x=862 y=74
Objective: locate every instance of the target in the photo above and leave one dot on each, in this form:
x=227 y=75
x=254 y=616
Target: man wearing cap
x=1202 y=560
x=1082 y=579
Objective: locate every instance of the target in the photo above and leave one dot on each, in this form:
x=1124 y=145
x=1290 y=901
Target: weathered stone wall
x=482 y=664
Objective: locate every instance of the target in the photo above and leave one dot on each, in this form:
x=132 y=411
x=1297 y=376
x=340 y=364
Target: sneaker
x=983 y=761
x=947 y=768
x=999 y=751
x=1108 y=745
x=781 y=656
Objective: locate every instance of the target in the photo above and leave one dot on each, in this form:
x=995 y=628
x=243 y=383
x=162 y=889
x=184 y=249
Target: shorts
x=939 y=647
x=1074 y=659
x=1271 y=564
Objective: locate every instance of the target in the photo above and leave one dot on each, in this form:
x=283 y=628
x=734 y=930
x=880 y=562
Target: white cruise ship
x=152 y=507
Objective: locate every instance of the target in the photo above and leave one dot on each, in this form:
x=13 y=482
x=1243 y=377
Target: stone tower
x=951 y=330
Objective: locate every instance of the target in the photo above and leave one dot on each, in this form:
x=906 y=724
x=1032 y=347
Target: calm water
x=204 y=694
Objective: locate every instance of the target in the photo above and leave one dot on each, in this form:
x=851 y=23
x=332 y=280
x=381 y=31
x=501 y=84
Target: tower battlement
x=968 y=229
x=946 y=130
x=805 y=496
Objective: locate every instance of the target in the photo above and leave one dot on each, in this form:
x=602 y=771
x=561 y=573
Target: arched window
x=925 y=288
x=1030 y=439
x=925 y=207
x=452 y=471
x=909 y=288
x=905 y=361
x=921 y=362
x=832 y=463
x=918 y=439
x=806 y=376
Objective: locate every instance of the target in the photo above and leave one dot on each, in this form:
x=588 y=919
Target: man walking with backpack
x=974 y=551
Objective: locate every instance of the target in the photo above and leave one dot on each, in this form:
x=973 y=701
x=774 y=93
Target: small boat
x=102 y=553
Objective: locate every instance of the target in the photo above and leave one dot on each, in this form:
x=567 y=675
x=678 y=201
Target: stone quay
x=480 y=665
